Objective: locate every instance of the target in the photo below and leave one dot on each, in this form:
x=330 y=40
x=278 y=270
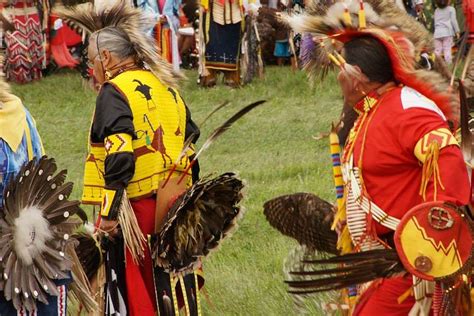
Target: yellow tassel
x=334 y=59
x=347 y=17
x=344 y=243
x=362 y=20
x=340 y=58
x=431 y=169
x=405 y=295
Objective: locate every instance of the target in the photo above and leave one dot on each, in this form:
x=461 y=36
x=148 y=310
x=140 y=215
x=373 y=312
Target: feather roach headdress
x=36 y=226
x=133 y=22
x=328 y=28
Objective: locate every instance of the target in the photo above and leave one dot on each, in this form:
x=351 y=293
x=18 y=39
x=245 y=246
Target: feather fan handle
x=219 y=131
x=186 y=146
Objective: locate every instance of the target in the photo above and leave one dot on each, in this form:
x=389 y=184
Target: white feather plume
x=31 y=234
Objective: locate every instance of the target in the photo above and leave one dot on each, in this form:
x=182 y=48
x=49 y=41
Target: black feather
x=352 y=269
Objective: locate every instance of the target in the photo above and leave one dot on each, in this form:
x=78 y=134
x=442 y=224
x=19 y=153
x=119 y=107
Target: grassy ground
x=272 y=149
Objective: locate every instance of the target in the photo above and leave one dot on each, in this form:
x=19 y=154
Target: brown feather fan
x=197 y=222
x=304 y=217
x=347 y=270
x=35 y=229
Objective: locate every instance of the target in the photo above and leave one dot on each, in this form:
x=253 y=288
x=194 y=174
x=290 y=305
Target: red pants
x=139 y=277
x=381 y=299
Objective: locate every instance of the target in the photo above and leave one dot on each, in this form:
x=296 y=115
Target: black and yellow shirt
x=138 y=130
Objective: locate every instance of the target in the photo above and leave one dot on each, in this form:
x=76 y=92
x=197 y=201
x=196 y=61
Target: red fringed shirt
x=390 y=169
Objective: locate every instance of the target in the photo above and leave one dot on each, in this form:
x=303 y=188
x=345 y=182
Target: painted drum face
x=434 y=240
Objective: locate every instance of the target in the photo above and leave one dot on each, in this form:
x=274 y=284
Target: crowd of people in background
x=235 y=38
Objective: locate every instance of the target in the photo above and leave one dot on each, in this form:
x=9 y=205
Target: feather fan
x=36 y=227
x=197 y=223
x=304 y=217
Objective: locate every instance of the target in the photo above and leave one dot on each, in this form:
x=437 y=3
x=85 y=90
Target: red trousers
x=139 y=277
x=381 y=299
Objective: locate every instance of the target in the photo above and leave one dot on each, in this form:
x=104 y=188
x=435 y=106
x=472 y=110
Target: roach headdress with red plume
x=329 y=28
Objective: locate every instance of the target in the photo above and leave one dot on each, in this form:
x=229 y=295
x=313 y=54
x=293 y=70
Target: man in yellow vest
x=138 y=130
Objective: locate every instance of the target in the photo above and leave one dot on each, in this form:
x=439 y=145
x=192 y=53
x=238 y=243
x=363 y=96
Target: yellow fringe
x=431 y=169
x=405 y=295
x=344 y=243
x=198 y=296
x=185 y=296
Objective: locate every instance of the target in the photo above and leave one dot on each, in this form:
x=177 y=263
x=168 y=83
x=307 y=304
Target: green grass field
x=272 y=149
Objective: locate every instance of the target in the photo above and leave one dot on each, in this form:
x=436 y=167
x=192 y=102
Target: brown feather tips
x=304 y=217
x=347 y=270
x=198 y=222
x=36 y=228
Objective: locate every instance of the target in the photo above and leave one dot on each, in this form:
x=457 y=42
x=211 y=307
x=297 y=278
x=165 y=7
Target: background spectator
x=445 y=27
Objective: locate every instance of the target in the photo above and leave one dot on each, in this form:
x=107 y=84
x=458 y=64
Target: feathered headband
x=326 y=27
x=133 y=22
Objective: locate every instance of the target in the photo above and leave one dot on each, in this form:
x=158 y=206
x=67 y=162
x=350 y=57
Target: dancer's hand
x=419 y=8
x=109 y=227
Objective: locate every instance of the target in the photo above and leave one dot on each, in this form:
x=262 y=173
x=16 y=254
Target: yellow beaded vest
x=159 y=118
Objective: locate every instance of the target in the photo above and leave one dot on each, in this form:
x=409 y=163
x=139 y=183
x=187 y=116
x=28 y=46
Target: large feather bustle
x=197 y=223
x=35 y=231
x=133 y=22
x=304 y=217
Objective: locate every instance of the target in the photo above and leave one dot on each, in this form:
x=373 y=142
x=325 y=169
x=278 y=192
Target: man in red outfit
x=388 y=147
x=401 y=152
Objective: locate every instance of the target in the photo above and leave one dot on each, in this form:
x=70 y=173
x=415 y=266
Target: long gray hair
x=119 y=29
x=114 y=40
